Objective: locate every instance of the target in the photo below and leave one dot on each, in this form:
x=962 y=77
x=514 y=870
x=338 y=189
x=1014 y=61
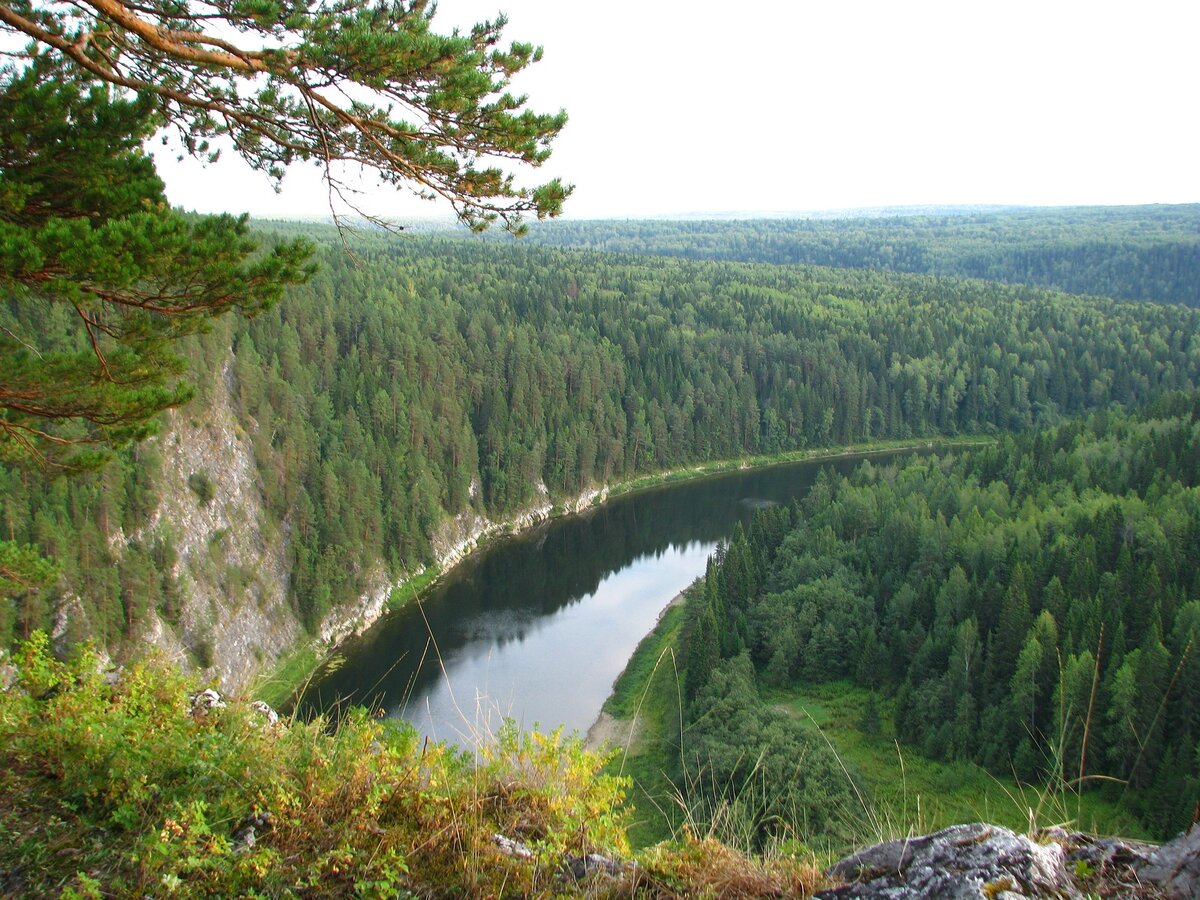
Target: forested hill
x=425 y=378
x=1134 y=252
x=1031 y=606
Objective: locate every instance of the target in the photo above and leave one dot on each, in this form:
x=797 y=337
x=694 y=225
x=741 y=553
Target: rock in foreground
x=987 y=862
x=965 y=861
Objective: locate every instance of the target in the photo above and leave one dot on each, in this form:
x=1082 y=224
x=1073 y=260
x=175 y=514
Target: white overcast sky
x=753 y=106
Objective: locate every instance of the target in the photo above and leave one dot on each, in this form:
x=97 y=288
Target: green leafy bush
x=119 y=789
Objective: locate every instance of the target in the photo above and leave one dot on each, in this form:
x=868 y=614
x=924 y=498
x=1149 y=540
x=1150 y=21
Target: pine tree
x=101 y=276
x=314 y=82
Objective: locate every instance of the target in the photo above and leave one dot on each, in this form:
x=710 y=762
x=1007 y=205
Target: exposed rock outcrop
x=8 y=672
x=1175 y=866
x=232 y=574
x=70 y=624
x=987 y=862
x=355 y=618
x=461 y=534
x=965 y=862
x=204 y=702
x=572 y=867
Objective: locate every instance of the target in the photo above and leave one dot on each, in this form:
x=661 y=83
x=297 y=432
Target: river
x=537 y=627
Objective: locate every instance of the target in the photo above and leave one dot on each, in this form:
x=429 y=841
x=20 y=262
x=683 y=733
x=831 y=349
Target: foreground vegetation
x=109 y=787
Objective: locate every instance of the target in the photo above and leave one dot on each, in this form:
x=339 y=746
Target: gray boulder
x=987 y=862
x=1174 y=868
x=204 y=702
x=264 y=709
x=965 y=862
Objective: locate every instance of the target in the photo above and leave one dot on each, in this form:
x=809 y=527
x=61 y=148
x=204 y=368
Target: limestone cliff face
x=461 y=534
x=232 y=573
x=233 y=618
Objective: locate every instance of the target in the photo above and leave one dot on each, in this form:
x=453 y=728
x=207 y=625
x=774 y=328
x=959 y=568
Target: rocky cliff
x=234 y=618
x=231 y=569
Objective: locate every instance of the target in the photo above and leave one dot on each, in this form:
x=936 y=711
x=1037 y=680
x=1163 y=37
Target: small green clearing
x=912 y=794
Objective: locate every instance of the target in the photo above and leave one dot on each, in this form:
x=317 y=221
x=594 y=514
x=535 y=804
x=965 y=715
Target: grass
x=630 y=687
x=647 y=691
x=404 y=594
x=912 y=794
x=291 y=672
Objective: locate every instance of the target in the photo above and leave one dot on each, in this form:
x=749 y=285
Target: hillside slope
x=404 y=402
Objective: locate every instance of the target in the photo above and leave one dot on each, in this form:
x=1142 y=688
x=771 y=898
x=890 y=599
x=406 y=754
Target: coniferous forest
x=1029 y=605
x=1133 y=252
x=422 y=377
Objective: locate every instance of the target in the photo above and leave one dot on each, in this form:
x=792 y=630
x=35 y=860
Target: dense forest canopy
x=1030 y=605
x=1134 y=253
x=427 y=377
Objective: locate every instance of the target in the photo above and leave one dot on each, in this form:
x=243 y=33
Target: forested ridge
x=425 y=377
x=1135 y=252
x=1031 y=606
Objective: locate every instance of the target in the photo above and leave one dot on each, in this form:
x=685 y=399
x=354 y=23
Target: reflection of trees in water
x=497 y=596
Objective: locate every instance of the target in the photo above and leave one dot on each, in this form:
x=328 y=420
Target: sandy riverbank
x=608 y=731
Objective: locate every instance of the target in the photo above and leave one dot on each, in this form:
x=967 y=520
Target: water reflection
x=538 y=626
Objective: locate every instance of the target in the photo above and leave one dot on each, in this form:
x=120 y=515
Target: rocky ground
x=965 y=862
x=986 y=862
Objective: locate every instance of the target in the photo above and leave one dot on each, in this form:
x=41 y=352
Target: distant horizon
x=861 y=212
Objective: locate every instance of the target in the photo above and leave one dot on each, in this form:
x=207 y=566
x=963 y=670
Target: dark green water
x=538 y=626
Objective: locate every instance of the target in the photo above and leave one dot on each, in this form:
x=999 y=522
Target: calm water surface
x=537 y=627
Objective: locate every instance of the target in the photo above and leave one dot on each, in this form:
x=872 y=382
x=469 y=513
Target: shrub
x=115 y=788
x=202 y=487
